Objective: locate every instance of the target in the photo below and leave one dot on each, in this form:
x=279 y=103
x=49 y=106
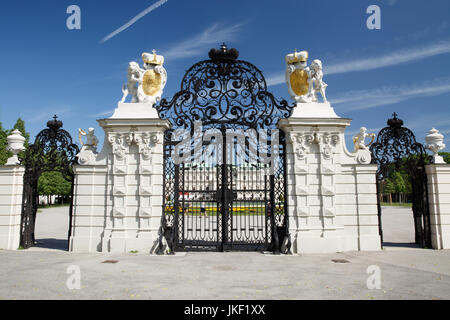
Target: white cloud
x=380 y=61
x=197 y=44
x=273 y=80
x=390 y=59
x=134 y=20
x=366 y=99
x=104 y=113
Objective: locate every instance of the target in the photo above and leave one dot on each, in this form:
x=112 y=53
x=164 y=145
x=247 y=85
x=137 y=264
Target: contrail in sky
x=134 y=20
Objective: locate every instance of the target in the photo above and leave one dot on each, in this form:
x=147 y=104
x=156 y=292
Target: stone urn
x=435 y=143
x=15 y=145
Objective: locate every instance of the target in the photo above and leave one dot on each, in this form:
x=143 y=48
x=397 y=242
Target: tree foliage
x=53 y=183
x=446 y=156
x=4 y=155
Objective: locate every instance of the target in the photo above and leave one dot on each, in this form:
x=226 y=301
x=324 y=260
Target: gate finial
x=223 y=54
x=54 y=124
x=395 y=122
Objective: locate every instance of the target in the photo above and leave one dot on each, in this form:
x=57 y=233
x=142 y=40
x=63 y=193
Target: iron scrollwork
x=222 y=93
x=396 y=150
x=53 y=150
x=224 y=90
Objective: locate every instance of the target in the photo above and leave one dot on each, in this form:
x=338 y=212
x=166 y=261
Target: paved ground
x=52 y=226
x=406 y=272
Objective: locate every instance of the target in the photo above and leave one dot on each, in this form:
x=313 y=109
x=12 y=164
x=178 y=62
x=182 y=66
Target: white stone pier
x=11 y=189
x=118 y=198
x=439 y=198
x=332 y=197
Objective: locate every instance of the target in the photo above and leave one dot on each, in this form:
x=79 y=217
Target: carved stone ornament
x=327 y=141
x=116 y=140
x=298 y=141
x=143 y=142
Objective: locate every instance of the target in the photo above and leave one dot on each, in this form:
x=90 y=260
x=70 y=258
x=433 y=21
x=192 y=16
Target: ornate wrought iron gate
x=224 y=161
x=396 y=150
x=52 y=150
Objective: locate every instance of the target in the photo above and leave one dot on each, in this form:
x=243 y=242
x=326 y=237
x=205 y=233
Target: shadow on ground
x=54 y=244
x=400 y=245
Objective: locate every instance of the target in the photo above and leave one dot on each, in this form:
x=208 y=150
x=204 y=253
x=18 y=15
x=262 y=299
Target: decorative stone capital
x=117 y=140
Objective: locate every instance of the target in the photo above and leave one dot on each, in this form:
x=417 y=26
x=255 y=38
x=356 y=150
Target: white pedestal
x=135 y=111
x=314 y=110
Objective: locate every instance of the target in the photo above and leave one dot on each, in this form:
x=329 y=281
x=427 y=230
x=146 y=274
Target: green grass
x=406 y=205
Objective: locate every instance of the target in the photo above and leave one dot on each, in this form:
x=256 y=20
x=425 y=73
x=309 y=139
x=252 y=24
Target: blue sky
x=46 y=69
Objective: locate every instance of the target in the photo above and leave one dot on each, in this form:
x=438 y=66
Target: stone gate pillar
x=119 y=192
x=11 y=192
x=439 y=200
x=11 y=189
x=332 y=197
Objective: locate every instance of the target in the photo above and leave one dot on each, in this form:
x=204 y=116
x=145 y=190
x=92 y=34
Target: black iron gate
x=224 y=160
x=52 y=150
x=396 y=151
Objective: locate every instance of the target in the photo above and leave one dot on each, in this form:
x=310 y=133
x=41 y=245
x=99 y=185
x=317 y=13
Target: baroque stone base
x=314 y=110
x=335 y=242
x=135 y=111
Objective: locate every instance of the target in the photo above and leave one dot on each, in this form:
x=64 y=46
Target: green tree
x=389 y=188
x=446 y=156
x=4 y=155
x=52 y=183
x=399 y=185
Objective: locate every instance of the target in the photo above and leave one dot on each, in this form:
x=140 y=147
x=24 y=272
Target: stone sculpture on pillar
x=435 y=143
x=145 y=86
x=88 y=152
x=15 y=145
x=304 y=84
x=360 y=138
x=316 y=85
x=363 y=154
